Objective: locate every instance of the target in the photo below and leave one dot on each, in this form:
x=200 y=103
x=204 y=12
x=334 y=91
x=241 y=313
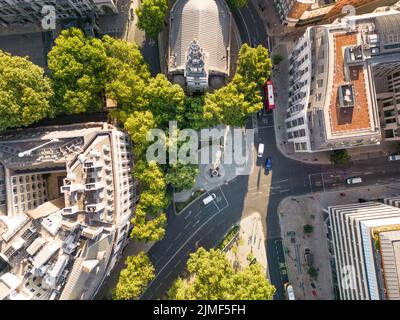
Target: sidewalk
x=249 y=244
x=296 y=212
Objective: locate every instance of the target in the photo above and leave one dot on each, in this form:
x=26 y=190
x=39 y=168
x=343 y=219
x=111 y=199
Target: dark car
x=268 y=164
x=308 y=256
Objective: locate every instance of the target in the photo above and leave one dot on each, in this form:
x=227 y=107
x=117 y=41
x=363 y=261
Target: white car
x=353 y=180
x=210 y=198
x=260 y=150
x=394 y=158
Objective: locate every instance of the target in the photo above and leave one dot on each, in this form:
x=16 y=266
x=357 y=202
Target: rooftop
x=357 y=117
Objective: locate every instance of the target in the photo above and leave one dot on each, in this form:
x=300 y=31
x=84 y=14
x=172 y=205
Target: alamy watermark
x=49 y=16
x=215 y=147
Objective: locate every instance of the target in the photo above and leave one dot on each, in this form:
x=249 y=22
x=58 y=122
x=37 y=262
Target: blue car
x=268 y=164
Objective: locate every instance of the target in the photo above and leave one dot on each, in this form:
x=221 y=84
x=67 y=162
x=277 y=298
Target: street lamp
x=28 y=152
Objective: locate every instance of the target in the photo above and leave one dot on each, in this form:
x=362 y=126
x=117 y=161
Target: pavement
x=250 y=241
x=295 y=212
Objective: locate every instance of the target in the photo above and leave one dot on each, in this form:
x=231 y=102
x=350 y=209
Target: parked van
x=289 y=291
x=210 y=198
x=354 y=180
x=395 y=157
x=260 y=150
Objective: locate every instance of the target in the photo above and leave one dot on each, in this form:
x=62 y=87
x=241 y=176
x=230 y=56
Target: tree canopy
x=228 y=106
x=254 y=64
x=236 y=4
x=134 y=279
x=25 y=92
x=151 y=14
x=147 y=228
x=182 y=177
x=213 y=278
x=78 y=70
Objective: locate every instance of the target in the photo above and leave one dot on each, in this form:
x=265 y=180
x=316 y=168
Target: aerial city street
x=200 y=150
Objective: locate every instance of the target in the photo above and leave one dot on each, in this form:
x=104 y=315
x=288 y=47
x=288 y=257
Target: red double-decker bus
x=269 y=99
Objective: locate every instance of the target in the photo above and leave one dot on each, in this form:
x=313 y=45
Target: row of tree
x=211 y=277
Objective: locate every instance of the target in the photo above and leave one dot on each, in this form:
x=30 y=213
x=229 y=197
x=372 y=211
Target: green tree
x=235 y=4
x=228 y=106
x=192 y=116
x=308 y=228
x=147 y=228
x=134 y=279
x=340 y=157
x=254 y=64
x=313 y=273
x=182 y=177
x=164 y=99
x=24 y=92
x=78 y=71
x=151 y=14
x=153 y=196
x=211 y=271
x=138 y=125
x=251 y=284
x=277 y=59
x=213 y=278
x=126 y=76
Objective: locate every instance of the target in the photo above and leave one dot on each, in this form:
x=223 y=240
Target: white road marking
x=187 y=216
x=169 y=247
x=185 y=227
x=178 y=236
x=286 y=190
x=280 y=181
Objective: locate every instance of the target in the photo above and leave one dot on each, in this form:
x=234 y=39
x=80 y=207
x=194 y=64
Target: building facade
x=17 y=12
x=365 y=240
x=333 y=100
x=295 y=13
x=70 y=197
x=198 y=59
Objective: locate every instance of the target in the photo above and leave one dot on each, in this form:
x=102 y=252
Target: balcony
x=67 y=211
x=95 y=208
x=72 y=188
x=93 y=186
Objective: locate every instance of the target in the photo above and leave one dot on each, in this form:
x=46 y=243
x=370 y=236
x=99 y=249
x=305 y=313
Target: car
x=260 y=150
x=268 y=164
x=210 y=198
x=394 y=157
x=289 y=291
x=354 y=180
x=308 y=256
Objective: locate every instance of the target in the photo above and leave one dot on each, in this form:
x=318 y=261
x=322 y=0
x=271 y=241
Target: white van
x=354 y=180
x=289 y=292
x=260 y=150
x=394 y=158
x=210 y=198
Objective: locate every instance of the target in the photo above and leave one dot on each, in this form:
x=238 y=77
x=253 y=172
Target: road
x=200 y=225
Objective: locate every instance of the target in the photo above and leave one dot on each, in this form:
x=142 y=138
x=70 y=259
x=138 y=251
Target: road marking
x=199 y=213
x=286 y=190
x=280 y=181
x=185 y=227
x=265 y=127
x=197 y=222
x=180 y=248
x=223 y=194
x=245 y=25
x=169 y=247
x=178 y=236
x=187 y=216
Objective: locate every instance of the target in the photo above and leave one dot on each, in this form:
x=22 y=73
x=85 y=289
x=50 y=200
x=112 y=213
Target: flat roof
x=344 y=120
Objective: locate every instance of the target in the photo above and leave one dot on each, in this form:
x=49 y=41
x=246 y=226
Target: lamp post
x=28 y=152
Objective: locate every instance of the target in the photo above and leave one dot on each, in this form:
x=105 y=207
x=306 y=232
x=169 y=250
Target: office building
x=365 y=241
x=333 y=101
x=69 y=199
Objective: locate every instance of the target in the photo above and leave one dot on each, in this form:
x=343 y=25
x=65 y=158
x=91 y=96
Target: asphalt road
x=206 y=226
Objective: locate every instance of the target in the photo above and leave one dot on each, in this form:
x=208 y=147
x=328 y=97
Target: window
x=321 y=68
